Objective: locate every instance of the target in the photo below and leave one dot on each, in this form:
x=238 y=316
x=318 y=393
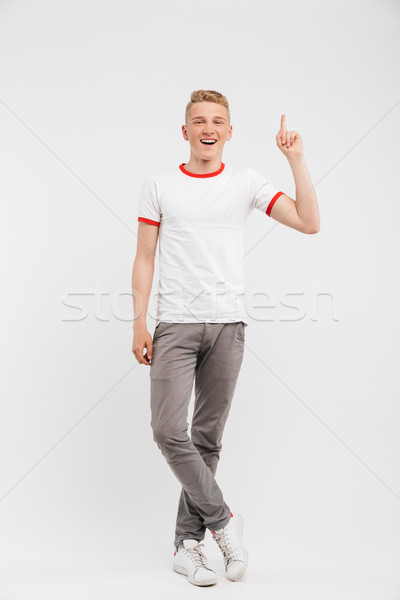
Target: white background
x=92 y=99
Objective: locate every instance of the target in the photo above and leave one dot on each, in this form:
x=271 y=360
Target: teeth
x=208 y=141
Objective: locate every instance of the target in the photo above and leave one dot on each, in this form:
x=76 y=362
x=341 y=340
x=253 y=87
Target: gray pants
x=210 y=354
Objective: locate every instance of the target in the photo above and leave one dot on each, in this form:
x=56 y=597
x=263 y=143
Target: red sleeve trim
x=270 y=205
x=149 y=221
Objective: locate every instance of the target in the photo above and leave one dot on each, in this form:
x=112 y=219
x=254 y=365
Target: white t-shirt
x=202 y=220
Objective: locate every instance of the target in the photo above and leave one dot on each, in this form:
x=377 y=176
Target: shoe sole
x=183 y=571
x=246 y=556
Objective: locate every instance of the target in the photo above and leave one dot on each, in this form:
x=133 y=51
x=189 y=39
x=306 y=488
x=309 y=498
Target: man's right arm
x=142 y=279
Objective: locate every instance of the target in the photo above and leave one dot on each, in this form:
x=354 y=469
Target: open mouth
x=208 y=142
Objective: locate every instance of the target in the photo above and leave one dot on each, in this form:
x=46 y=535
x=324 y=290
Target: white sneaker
x=190 y=561
x=230 y=541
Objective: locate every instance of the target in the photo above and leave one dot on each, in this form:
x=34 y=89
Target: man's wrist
x=139 y=323
x=296 y=159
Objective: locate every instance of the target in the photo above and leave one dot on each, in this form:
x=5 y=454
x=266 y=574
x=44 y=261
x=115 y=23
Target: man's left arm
x=303 y=213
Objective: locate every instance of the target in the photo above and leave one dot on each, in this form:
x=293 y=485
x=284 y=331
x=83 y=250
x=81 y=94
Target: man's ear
x=184 y=132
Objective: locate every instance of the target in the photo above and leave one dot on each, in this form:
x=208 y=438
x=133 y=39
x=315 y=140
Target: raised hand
x=289 y=142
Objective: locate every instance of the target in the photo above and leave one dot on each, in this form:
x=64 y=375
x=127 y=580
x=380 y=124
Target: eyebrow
x=221 y=118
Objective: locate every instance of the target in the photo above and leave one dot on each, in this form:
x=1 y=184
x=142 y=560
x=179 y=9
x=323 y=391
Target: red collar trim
x=182 y=168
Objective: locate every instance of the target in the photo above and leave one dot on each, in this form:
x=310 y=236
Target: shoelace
x=227 y=549
x=197 y=556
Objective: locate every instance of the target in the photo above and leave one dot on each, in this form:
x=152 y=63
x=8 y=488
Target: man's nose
x=208 y=128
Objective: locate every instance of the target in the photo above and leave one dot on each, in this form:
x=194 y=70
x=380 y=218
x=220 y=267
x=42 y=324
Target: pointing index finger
x=283 y=122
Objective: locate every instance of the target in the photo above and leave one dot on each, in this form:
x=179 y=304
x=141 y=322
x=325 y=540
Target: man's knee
x=164 y=435
x=160 y=435
x=210 y=441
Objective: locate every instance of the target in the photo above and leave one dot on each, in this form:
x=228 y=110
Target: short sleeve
x=149 y=209
x=263 y=192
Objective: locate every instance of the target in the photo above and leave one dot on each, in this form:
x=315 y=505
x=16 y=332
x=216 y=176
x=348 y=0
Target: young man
x=199 y=210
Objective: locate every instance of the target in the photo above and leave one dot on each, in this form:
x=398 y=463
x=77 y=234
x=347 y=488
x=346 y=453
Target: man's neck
x=202 y=167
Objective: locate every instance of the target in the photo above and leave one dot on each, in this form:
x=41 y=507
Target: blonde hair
x=206 y=96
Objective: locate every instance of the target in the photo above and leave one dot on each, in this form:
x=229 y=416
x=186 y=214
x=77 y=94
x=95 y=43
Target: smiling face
x=207 y=129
